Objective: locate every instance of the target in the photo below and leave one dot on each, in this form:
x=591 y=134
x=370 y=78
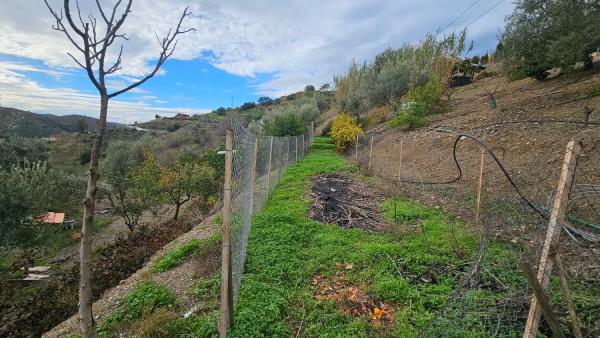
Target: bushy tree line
x=544 y=34
x=29 y=189
x=292 y=118
x=135 y=182
x=395 y=71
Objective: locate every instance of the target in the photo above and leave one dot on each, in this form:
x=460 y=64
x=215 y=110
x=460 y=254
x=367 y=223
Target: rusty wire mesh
x=253 y=179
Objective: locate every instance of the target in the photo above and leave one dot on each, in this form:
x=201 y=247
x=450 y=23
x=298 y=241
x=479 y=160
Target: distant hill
x=28 y=124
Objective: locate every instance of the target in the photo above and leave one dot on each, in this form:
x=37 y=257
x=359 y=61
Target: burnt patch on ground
x=339 y=200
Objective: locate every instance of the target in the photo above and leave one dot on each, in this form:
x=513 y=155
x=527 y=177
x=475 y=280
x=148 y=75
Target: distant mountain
x=28 y=124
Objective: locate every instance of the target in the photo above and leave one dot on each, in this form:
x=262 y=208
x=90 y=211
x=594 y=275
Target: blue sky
x=240 y=51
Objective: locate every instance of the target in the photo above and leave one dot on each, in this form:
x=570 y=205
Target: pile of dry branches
x=339 y=200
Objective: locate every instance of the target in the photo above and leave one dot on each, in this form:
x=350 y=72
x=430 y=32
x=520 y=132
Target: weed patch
x=176 y=256
x=142 y=301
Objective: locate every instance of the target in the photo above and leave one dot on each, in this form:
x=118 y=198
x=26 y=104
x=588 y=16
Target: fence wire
x=253 y=179
x=491 y=296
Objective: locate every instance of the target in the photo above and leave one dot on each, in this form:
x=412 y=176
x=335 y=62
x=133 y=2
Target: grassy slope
x=286 y=250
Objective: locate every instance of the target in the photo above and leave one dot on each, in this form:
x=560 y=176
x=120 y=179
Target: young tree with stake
x=94 y=39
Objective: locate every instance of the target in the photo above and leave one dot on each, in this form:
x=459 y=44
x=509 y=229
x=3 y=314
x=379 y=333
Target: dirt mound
x=339 y=200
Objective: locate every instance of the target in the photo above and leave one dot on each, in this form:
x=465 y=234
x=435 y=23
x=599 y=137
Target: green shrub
x=284 y=123
x=143 y=300
x=418 y=102
x=411 y=116
x=430 y=93
x=176 y=256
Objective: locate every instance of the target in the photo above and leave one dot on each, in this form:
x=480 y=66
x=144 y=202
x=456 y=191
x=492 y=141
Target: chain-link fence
x=257 y=165
x=492 y=295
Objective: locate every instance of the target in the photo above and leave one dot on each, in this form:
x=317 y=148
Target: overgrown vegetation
x=292 y=118
x=142 y=301
x=541 y=35
x=287 y=250
x=175 y=257
x=136 y=182
x=394 y=73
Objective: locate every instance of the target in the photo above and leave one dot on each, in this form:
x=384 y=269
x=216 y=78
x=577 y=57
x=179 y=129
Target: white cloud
x=41 y=99
x=298 y=41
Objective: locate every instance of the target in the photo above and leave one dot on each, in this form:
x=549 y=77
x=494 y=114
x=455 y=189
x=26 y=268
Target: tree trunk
x=177 y=207
x=86 y=318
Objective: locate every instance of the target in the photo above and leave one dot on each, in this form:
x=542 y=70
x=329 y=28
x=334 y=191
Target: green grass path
x=286 y=250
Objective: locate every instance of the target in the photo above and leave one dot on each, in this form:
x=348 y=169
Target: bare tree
x=93 y=41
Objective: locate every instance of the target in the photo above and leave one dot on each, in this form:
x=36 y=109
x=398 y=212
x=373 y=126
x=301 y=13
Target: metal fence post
x=287 y=155
x=269 y=167
x=254 y=160
x=226 y=280
x=554 y=227
x=303 y=146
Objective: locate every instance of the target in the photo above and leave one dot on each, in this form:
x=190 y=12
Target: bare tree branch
x=117 y=65
x=60 y=27
x=168 y=45
x=76 y=61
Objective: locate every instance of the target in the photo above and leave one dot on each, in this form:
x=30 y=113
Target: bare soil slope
x=528 y=132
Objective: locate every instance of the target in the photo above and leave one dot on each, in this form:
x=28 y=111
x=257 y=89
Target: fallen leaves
x=350 y=298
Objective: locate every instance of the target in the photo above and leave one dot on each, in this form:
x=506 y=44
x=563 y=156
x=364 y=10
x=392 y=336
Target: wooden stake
x=554 y=226
x=356 y=150
x=564 y=283
x=269 y=167
x=226 y=281
x=400 y=164
x=296 y=137
x=371 y=152
x=479 y=185
x=543 y=301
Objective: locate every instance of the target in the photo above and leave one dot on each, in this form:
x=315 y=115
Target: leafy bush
x=344 y=129
x=410 y=117
x=176 y=256
x=418 y=102
x=247 y=106
x=283 y=123
x=541 y=35
x=265 y=101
